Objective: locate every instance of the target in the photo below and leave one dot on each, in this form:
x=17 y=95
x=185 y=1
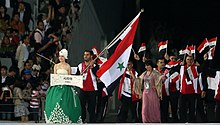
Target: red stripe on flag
x=203 y=45
x=162 y=45
x=122 y=46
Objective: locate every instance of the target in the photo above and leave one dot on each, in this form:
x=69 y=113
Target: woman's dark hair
x=39 y=21
x=149 y=63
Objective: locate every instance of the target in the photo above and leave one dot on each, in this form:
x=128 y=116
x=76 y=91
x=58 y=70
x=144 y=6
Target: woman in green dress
x=62 y=101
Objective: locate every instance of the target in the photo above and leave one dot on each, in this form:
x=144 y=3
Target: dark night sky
x=182 y=22
x=191 y=20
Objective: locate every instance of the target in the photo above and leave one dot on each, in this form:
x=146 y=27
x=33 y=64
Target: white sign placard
x=72 y=80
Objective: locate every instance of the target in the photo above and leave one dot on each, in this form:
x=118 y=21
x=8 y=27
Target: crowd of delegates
x=183 y=91
x=24 y=84
x=170 y=91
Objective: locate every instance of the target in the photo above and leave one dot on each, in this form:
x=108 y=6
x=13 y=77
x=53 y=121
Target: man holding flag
x=88 y=94
x=189 y=75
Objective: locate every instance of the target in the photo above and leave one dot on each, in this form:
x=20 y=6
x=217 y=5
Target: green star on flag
x=120 y=66
x=115 y=66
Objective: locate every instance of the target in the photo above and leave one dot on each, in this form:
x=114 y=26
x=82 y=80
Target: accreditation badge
x=84 y=76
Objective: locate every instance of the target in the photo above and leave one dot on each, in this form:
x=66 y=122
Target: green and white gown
x=62 y=104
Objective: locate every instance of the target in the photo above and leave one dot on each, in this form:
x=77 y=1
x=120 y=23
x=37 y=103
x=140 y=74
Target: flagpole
x=167 y=46
x=113 y=41
x=214 y=48
x=45 y=58
x=195 y=53
x=185 y=54
x=133 y=50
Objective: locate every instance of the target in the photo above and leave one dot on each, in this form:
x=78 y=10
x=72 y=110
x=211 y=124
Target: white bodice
x=62 y=72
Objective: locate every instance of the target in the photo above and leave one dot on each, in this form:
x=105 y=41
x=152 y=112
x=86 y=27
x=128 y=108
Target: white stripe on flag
x=143 y=48
x=162 y=47
x=211 y=83
x=217 y=80
x=113 y=72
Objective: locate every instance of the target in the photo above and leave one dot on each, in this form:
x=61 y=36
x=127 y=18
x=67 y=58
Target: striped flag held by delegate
x=117 y=63
x=162 y=45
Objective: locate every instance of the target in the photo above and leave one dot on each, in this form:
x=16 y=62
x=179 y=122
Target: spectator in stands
x=27 y=66
x=31 y=62
x=56 y=3
x=3 y=75
x=15 y=37
x=50 y=45
x=7 y=103
x=7 y=49
x=22 y=52
x=20 y=109
x=35 y=103
x=28 y=78
x=44 y=86
x=4 y=18
x=60 y=19
x=12 y=76
x=17 y=24
x=47 y=18
x=38 y=36
x=76 y=9
x=24 y=10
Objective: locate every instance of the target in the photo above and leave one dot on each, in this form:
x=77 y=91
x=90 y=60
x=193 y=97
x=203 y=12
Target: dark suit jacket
x=27 y=14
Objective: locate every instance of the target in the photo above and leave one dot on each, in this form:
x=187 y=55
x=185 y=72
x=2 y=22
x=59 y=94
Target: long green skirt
x=62 y=105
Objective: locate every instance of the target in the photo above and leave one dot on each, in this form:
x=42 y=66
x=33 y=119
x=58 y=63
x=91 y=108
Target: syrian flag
x=95 y=50
x=211 y=53
x=217 y=87
x=211 y=83
x=115 y=66
x=185 y=51
x=100 y=60
x=203 y=45
x=192 y=72
x=192 y=49
x=212 y=42
x=174 y=77
x=104 y=92
x=172 y=64
x=142 y=48
x=181 y=52
x=162 y=45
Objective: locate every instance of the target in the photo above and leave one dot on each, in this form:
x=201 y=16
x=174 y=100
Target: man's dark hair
x=161 y=58
x=149 y=63
x=89 y=51
x=13 y=69
x=4 y=67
